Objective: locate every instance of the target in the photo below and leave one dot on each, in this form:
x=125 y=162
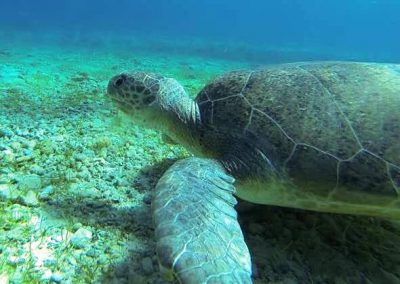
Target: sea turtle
x=323 y=136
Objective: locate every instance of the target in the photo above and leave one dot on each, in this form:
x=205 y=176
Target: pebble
x=20 y=132
x=80 y=157
x=5 y=171
x=29 y=182
x=46 y=192
x=4 y=278
x=17 y=278
x=92 y=252
x=83 y=190
x=19 y=213
x=5 y=193
x=81 y=238
x=8 y=157
x=70 y=175
x=46 y=275
x=30 y=199
x=56 y=277
x=14 y=260
x=16 y=145
x=51 y=261
x=5 y=132
x=77 y=226
x=38 y=170
x=27 y=152
x=23 y=159
x=30 y=144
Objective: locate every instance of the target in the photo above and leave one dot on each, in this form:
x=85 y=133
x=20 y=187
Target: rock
x=5 y=132
x=5 y=171
x=4 y=278
x=30 y=199
x=38 y=170
x=76 y=226
x=84 y=173
x=16 y=235
x=14 y=260
x=92 y=252
x=46 y=192
x=8 y=156
x=80 y=157
x=27 y=152
x=30 y=144
x=83 y=190
x=17 y=278
x=23 y=159
x=29 y=182
x=4 y=179
x=56 y=277
x=81 y=238
x=147 y=266
x=16 y=146
x=70 y=175
x=19 y=213
x=46 y=275
x=5 y=193
x=49 y=262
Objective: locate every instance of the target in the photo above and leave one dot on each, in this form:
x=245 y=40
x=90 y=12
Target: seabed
x=76 y=175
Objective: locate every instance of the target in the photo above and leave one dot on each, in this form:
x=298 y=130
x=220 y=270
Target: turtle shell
x=328 y=127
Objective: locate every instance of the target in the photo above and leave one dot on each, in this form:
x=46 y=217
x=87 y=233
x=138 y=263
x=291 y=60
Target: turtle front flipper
x=199 y=239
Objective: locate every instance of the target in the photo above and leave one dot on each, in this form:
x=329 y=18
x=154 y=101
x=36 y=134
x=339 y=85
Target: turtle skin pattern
x=332 y=129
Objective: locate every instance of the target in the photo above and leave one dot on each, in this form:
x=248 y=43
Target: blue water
x=340 y=29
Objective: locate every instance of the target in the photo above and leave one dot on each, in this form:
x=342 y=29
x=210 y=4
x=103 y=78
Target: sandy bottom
x=76 y=179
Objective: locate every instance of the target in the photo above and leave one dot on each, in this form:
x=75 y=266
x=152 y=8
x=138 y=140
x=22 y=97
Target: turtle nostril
x=120 y=80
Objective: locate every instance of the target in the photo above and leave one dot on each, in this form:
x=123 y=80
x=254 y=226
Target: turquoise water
x=359 y=29
x=76 y=175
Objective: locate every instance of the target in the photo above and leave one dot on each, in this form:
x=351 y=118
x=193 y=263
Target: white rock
x=29 y=182
x=81 y=238
x=5 y=193
x=30 y=199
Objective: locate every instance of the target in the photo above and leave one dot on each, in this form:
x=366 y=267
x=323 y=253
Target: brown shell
x=335 y=124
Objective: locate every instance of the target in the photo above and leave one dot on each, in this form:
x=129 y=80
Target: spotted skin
x=134 y=91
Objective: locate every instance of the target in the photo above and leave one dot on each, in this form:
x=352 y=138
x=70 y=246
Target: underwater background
x=358 y=29
x=76 y=175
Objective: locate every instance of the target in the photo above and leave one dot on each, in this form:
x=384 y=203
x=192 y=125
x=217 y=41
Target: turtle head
x=136 y=94
x=156 y=102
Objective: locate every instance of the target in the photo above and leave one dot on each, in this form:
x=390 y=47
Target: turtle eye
x=120 y=80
